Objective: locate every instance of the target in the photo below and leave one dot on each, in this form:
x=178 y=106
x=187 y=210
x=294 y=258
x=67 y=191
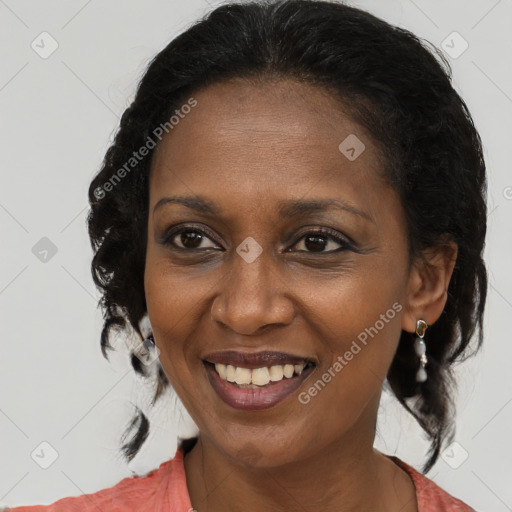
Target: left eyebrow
x=296 y=208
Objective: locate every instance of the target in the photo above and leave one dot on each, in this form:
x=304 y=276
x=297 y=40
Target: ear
x=427 y=289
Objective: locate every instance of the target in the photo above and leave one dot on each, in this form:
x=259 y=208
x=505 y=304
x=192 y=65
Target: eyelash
x=325 y=232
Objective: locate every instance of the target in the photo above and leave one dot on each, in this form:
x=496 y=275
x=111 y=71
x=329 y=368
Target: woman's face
x=252 y=274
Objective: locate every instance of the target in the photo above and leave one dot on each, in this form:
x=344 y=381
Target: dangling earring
x=420 y=349
x=149 y=342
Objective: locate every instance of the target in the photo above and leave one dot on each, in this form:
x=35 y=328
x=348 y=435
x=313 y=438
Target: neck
x=347 y=475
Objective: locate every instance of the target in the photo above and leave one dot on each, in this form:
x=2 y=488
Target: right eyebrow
x=198 y=203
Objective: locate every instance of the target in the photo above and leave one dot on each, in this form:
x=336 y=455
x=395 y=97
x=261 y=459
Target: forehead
x=246 y=142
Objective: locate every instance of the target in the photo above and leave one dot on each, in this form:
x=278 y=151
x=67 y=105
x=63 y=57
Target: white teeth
x=276 y=373
x=242 y=375
x=288 y=370
x=222 y=370
x=230 y=373
x=258 y=376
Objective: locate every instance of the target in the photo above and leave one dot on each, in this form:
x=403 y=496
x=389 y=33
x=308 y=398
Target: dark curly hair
x=394 y=84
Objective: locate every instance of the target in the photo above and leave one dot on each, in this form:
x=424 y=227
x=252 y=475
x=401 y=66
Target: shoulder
x=131 y=493
x=431 y=497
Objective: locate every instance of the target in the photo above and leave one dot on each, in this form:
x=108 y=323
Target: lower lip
x=250 y=399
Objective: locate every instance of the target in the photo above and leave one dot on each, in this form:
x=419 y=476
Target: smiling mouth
x=257 y=388
x=258 y=378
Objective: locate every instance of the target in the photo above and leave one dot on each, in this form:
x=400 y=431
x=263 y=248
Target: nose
x=253 y=297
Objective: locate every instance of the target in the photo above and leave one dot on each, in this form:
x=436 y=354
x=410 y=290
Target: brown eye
x=188 y=238
x=318 y=241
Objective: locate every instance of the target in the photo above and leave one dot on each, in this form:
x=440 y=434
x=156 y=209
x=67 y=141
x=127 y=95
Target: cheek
x=176 y=304
x=168 y=309
x=357 y=318
x=360 y=345
x=173 y=294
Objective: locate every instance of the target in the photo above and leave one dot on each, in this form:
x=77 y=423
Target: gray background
x=58 y=116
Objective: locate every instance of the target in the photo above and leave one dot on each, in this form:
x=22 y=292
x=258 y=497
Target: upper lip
x=253 y=360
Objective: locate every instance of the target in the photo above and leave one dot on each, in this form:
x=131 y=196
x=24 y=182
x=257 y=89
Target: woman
x=294 y=203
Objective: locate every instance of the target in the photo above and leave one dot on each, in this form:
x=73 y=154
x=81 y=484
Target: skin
x=246 y=147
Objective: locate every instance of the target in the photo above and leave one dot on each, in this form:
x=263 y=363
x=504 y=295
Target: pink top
x=165 y=490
